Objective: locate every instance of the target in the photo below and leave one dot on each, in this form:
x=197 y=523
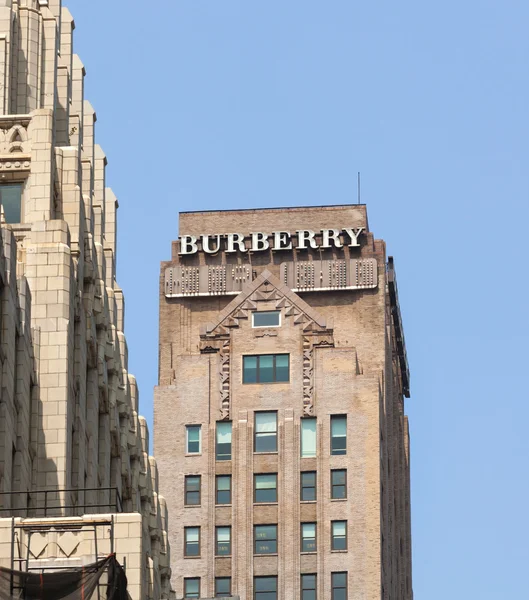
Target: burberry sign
x=259 y=241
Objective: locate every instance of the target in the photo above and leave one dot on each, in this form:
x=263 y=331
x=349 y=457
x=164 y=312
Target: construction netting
x=80 y=583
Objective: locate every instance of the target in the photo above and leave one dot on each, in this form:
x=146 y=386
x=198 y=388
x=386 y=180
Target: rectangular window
x=223 y=541
x=223 y=446
x=308 y=438
x=338 y=434
x=192 y=490
x=308 y=587
x=11 y=201
x=266 y=318
x=223 y=489
x=191 y=541
x=192 y=587
x=222 y=587
x=308 y=486
x=265 y=488
x=338 y=586
x=265 y=588
x=265 y=368
x=308 y=537
x=265 y=539
x=339 y=535
x=193 y=439
x=265 y=432
x=338 y=484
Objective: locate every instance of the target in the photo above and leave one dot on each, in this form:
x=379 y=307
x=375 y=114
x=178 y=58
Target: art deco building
x=76 y=480
x=280 y=432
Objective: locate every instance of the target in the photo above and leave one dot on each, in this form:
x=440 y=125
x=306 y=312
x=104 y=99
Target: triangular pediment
x=265 y=288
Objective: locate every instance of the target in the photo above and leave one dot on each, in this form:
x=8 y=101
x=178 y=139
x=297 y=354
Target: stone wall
x=68 y=407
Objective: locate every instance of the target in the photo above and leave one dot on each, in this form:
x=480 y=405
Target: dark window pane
x=268 y=318
x=224 y=489
x=192 y=588
x=339 y=579
x=192 y=487
x=338 y=484
x=249 y=369
x=265 y=584
x=308 y=537
x=11 y=200
x=223 y=541
x=222 y=586
x=265 y=539
x=338 y=434
x=265 y=432
x=308 y=485
x=282 y=367
x=266 y=368
x=223 y=441
x=193 y=439
x=266 y=488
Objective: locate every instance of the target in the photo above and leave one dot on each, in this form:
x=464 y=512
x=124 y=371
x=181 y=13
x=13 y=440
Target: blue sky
x=226 y=104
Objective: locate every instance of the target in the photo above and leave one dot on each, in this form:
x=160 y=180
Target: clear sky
x=207 y=104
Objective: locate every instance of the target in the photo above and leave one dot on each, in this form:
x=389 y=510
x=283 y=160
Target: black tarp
x=79 y=583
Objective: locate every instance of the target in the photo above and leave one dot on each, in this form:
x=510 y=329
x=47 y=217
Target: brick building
x=280 y=432
x=76 y=479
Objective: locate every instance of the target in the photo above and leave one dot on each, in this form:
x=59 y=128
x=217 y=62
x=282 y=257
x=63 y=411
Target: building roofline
x=318 y=206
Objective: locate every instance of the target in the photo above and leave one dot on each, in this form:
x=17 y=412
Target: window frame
x=222 y=594
x=230 y=479
x=335 y=485
x=255 y=501
x=188 y=428
x=305 y=452
x=303 y=538
x=199 y=545
x=255 y=312
x=222 y=457
x=304 y=487
x=257 y=368
x=255 y=541
x=257 y=435
x=186 y=579
x=334 y=537
x=335 y=419
x=257 y=595
x=304 y=589
x=19 y=184
x=187 y=491
x=335 y=588
x=217 y=542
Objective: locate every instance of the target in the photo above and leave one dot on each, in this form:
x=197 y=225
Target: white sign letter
x=306 y=235
x=282 y=240
x=235 y=239
x=331 y=234
x=205 y=244
x=188 y=244
x=353 y=234
x=260 y=242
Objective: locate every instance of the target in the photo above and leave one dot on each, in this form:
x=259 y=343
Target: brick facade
x=346 y=357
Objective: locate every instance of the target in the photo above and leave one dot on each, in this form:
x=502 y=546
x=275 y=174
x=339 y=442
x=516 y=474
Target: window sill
x=268 y=554
x=339 y=551
x=308 y=501
x=311 y=552
x=223 y=505
x=267 y=453
x=338 y=499
x=193 y=454
x=191 y=557
x=265 y=503
x=192 y=506
x=222 y=555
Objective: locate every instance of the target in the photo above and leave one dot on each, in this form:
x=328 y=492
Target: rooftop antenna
x=358 y=187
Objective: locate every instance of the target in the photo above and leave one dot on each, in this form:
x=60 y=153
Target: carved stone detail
x=266 y=288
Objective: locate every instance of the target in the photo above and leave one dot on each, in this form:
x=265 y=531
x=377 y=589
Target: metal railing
x=58 y=502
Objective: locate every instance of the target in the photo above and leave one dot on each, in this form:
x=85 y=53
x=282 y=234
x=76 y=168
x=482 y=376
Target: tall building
x=76 y=479
x=280 y=432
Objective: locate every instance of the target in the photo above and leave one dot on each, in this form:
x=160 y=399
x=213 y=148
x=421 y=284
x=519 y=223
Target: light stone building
x=280 y=432
x=76 y=480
